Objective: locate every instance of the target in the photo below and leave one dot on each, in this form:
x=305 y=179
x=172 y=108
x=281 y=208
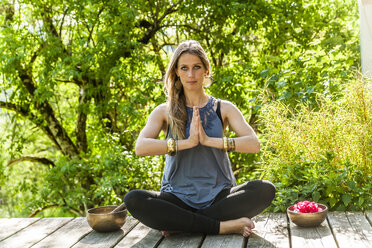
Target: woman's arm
x=147 y=143
x=246 y=141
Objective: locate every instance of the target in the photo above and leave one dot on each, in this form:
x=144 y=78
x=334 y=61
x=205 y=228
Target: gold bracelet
x=171 y=147
x=225 y=144
x=231 y=145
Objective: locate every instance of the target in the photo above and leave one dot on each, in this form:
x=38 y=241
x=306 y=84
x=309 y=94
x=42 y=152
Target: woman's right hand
x=194 y=128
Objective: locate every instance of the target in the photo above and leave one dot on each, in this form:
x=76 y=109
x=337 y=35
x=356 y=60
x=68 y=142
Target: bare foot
x=241 y=226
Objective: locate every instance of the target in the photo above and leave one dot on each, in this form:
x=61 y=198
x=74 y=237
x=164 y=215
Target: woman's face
x=191 y=71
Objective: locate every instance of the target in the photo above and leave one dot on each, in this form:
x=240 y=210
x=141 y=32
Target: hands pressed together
x=197 y=133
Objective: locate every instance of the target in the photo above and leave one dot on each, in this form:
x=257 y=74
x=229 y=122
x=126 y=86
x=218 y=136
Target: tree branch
x=81 y=122
x=31 y=159
x=211 y=51
x=157 y=48
x=170 y=10
x=36 y=53
x=27 y=114
x=156 y=25
x=151 y=6
x=51 y=29
x=94 y=24
x=63 y=80
x=183 y=25
x=63 y=20
x=36 y=211
x=15 y=108
x=45 y=109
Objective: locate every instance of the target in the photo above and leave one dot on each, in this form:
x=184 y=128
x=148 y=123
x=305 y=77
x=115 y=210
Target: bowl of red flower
x=307 y=213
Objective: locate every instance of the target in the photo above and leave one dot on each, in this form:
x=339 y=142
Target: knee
x=268 y=190
x=265 y=190
x=133 y=200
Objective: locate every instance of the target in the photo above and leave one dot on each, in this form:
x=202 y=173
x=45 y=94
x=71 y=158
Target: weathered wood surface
x=74 y=230
x=141 y=236
x=34 y=233
x=351 y=229
x=104 y=240
x=182 y=240
x=270 y=231
x=11 y=226
x=341 y=229
x=224 y=241
x=308 y=237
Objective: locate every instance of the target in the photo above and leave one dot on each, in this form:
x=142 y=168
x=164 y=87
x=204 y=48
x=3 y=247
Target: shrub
x=322 y=153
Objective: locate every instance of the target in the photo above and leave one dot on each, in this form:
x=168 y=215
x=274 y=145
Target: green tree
x=77 y=71
x=79 y=78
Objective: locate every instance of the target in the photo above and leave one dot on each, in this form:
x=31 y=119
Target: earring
x=207 y=81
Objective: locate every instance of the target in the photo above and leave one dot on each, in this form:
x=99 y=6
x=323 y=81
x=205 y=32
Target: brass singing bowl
x=308 y=219
x=102 y=220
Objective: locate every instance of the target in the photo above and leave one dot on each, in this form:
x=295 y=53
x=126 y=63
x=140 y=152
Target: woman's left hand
x=202 y=135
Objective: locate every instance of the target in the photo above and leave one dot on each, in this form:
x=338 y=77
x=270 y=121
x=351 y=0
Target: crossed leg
x=230 y=212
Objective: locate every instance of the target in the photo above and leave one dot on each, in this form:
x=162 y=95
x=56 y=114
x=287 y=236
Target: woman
x=198 y=192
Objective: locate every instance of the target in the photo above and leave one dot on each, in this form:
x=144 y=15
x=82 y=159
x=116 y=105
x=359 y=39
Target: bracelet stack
x=228 y=144
x=172 y=147
x=231 y=145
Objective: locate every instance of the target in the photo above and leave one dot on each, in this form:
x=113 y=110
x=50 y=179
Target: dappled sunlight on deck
x=340 y=229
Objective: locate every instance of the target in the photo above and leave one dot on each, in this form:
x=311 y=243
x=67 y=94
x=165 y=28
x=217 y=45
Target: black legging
x=166 y=212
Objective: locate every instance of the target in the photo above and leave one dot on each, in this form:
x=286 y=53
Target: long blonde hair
x=174 y=89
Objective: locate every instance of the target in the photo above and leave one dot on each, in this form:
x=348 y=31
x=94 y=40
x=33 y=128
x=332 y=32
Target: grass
x=321 y=153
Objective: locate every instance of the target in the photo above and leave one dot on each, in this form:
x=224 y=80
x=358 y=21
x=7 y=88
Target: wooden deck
x=350 y=229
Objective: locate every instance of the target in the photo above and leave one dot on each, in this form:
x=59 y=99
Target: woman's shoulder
x=227 y=105
x=161 y=110
x=162 y=107
x=228 y=109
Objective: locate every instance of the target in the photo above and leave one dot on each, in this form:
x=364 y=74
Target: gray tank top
x=197 y=175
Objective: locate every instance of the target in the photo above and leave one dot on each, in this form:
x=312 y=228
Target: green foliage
x=78 y=80
x=101 y=180
x=98 y=179
x=322 y=154
x=341 y=189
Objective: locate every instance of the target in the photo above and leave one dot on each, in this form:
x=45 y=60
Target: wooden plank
x=182 y=240
x=351 y=229
x=361 y=226
x=9 y=226
x=369 y=217
x=141 y=236
x=67 y=235
x=34 y=232
x=310 y=237
x=270 y=231
x=103 y=240
x=223 y=241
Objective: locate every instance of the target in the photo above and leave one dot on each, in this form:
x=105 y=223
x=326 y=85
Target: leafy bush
x=72 y=186
x=96 y=181
x=322 y=153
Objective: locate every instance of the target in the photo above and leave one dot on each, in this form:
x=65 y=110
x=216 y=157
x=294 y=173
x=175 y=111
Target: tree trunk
x=46 y=111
